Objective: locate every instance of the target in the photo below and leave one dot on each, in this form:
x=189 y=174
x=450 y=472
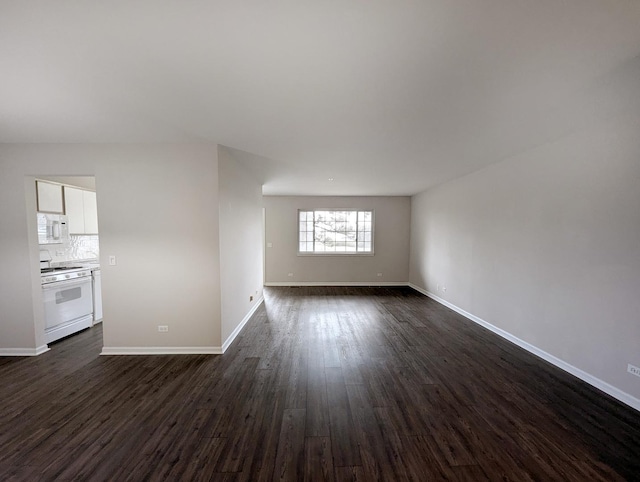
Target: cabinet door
x=75 y=209
x=49 y=197
x=90 y=212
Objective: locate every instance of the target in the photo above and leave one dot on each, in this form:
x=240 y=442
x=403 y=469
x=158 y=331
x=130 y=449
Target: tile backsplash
x=84 y=247
x=80 y=247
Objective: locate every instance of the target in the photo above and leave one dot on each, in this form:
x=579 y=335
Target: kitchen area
x=70 y=277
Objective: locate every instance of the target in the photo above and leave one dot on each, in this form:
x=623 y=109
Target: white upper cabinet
x=75 y=210
x=90 y=212
x=49 y=197
x=82 y=212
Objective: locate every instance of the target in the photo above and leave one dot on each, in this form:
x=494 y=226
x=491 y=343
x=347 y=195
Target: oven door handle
x=66 y=283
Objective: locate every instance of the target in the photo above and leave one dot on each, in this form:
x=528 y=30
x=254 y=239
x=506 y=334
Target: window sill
x=335 y=254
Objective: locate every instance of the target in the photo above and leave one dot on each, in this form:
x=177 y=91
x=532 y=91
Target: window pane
x=322 y=217
x=326 y=231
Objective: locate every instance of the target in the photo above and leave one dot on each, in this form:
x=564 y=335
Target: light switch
x=112 y=260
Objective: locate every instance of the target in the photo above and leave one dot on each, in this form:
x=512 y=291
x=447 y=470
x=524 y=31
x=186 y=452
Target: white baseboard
x=239 y=328
x=161 y=350
x=182 y=350
x=337 y=283
x=616 y=393
x=24 y=351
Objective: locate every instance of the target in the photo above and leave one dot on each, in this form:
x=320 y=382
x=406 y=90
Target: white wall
x=546 y=246
x=241 y=252
x=158 y=211
x=391 y=242
x=17 y=327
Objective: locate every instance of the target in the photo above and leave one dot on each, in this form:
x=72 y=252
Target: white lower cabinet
x=97 y=296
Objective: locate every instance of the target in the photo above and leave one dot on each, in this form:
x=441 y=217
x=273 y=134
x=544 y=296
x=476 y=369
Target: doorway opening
x=69 y=249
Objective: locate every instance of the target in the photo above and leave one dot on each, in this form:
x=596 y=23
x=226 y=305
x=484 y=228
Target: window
x=345 y=231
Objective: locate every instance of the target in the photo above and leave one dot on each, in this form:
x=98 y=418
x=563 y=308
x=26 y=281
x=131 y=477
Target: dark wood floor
x=322 y=383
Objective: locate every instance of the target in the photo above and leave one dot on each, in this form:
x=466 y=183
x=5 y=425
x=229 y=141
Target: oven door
x=66 y=300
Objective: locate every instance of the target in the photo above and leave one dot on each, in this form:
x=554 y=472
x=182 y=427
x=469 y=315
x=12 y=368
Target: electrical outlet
x=379 y=274
x=290 y=275
x=633 y=370
x=163 y=328
x=444 y=288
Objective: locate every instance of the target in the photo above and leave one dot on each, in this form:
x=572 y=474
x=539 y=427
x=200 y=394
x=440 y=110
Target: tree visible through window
x=329 y=232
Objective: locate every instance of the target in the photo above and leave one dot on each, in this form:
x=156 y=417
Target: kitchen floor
x=321 y=384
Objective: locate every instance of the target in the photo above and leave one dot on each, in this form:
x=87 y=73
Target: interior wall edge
x=595 y=382
x=241 y=325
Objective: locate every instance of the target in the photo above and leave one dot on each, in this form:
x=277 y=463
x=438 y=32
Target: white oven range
x=68 y=301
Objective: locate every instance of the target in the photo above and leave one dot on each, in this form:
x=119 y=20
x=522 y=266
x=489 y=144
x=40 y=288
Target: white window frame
x=337 y=253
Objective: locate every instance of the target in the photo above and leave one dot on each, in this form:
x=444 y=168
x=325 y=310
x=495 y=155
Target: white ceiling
x=386 y=97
